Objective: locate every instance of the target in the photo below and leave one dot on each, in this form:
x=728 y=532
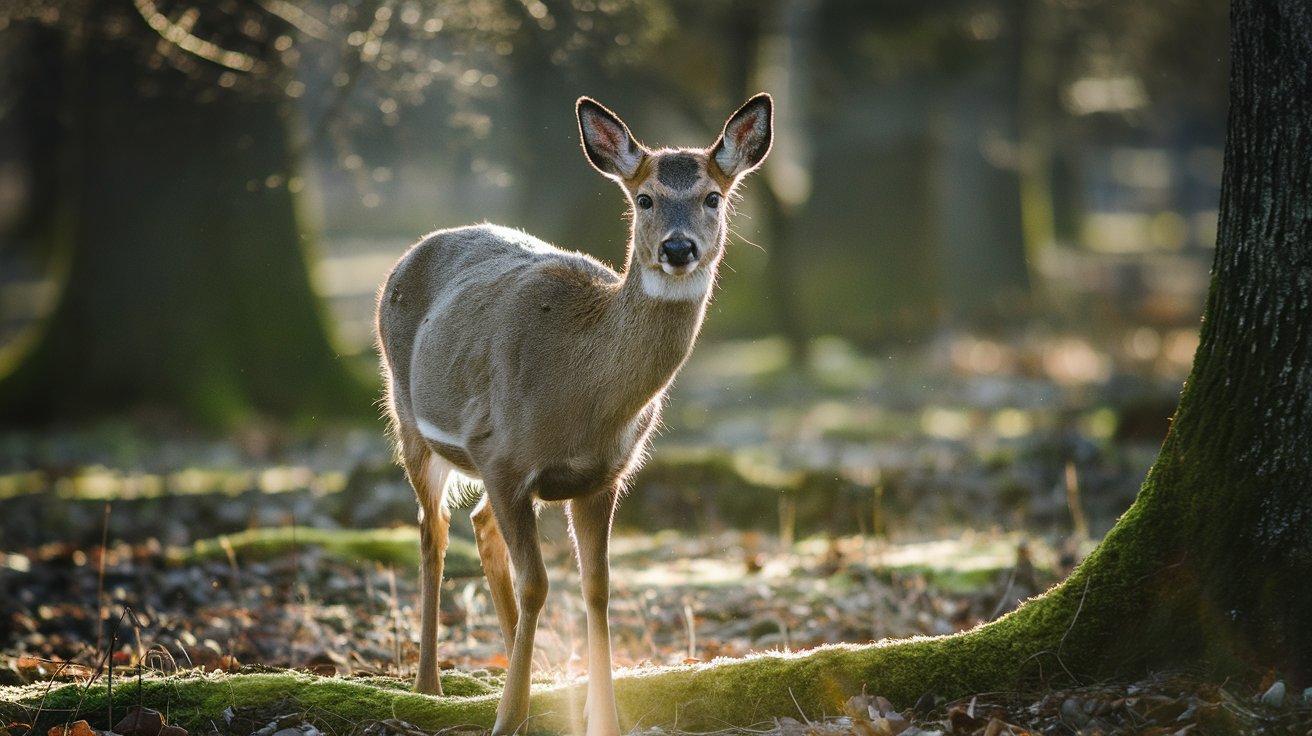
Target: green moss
x=738 y=692
x=398 y=546
x=956 y=580
x=192 y=700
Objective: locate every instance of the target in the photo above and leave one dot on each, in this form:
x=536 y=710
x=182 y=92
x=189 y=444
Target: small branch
x=179 y=34
x=101 y=610
x=798 y=706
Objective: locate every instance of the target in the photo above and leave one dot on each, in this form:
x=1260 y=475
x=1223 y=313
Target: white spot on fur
x=433 y=433
x=690 y=288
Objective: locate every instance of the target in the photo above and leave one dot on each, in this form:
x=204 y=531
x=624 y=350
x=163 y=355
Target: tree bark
x=186 y=287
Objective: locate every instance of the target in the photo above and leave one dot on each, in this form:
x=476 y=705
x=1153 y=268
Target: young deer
x=543 y=372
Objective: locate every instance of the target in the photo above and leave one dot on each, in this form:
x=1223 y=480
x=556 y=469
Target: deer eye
x=644 y=201
x=713 y=200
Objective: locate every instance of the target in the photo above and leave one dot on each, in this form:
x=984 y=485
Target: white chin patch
x=674 y=270
x=669 y=286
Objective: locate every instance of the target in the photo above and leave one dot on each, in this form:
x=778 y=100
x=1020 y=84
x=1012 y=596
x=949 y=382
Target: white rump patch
x=434 y=433
x=462 y=489
x=691 y=288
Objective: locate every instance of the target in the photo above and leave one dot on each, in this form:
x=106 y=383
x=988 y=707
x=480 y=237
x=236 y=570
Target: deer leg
x=518 y=522
x=428 y=473
x=495 y=558
x=590 y=519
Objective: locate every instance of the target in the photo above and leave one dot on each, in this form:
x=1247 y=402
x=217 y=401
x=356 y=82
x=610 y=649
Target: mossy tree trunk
x=185 y=286
x=1211 y=565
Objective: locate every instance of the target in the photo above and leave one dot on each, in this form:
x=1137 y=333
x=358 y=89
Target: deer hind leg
x=589 y=521
x=428 y=473
x=495 y=557
x=513 y=506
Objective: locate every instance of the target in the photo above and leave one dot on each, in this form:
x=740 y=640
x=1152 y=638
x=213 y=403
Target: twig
x=1074 y=618
x=396 y=617
x=233 y=575
x=109 y=683
x=294 y=593
x=1006 y=594
x=1078 y=519
x=798 y=706
x=692 y=630
x=101 y=612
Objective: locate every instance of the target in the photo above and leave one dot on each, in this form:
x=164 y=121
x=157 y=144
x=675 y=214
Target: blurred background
x=963 y=291
x=959 y=165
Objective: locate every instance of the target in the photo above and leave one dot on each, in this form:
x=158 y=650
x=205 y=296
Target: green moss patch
x=193 y=700
x=398 y=546
x=706 y=696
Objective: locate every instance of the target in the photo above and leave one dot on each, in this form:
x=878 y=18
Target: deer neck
x=652 y=336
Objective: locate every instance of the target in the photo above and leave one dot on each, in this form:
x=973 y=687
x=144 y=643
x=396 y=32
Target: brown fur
x=543 y=372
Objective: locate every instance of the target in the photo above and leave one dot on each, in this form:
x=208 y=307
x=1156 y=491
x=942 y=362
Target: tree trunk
x=186 y=287
x=1233 y=483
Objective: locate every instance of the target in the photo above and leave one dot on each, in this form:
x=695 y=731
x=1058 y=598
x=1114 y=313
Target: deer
x=543 y=372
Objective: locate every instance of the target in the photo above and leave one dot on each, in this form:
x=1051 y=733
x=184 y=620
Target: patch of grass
x=955 y=580
x=399 y=546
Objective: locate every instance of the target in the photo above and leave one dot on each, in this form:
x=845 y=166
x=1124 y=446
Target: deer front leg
x=590 y=519
x=518 y=522
x=495 y=558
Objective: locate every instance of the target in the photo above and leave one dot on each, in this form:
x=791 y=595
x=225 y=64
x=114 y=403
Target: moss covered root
x=702 y=696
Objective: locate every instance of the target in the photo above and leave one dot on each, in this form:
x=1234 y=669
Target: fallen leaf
x=140 y=722
x=328 y=663
x=962 y=719
x=76 y=728
x=225 y=663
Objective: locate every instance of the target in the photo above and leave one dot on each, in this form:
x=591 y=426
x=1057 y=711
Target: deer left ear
x=746 y=138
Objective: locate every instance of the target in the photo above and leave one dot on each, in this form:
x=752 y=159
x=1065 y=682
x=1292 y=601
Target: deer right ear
x=609 y=145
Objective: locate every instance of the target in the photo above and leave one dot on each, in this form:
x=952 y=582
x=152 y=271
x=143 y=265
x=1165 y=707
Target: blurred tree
x=170 y=210
x=172 y=222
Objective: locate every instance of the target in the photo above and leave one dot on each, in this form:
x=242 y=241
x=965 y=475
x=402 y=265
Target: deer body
x=543 y=372
x=566 y=317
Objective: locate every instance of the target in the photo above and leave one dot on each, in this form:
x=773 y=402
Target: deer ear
x=609 y=145
x=746 y=138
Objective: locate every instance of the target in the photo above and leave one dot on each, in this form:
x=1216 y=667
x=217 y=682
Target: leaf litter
x=66 y=575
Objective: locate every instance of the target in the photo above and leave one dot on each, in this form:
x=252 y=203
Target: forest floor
x=878 y=498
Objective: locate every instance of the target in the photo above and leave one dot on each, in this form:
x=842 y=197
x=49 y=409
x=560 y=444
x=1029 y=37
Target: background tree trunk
x=186 y=286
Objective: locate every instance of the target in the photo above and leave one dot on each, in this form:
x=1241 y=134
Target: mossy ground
x=194 y=700
x=726 y=693
x=399 y=546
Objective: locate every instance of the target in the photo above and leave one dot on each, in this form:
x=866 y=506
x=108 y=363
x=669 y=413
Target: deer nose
x=678 y=252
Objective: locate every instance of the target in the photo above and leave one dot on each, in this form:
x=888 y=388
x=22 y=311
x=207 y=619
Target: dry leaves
x=138 y=722
x=1161 y=706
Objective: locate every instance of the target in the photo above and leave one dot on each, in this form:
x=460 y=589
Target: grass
x=399 y=546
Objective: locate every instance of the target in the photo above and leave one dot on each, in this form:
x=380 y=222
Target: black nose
x=678 y=252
